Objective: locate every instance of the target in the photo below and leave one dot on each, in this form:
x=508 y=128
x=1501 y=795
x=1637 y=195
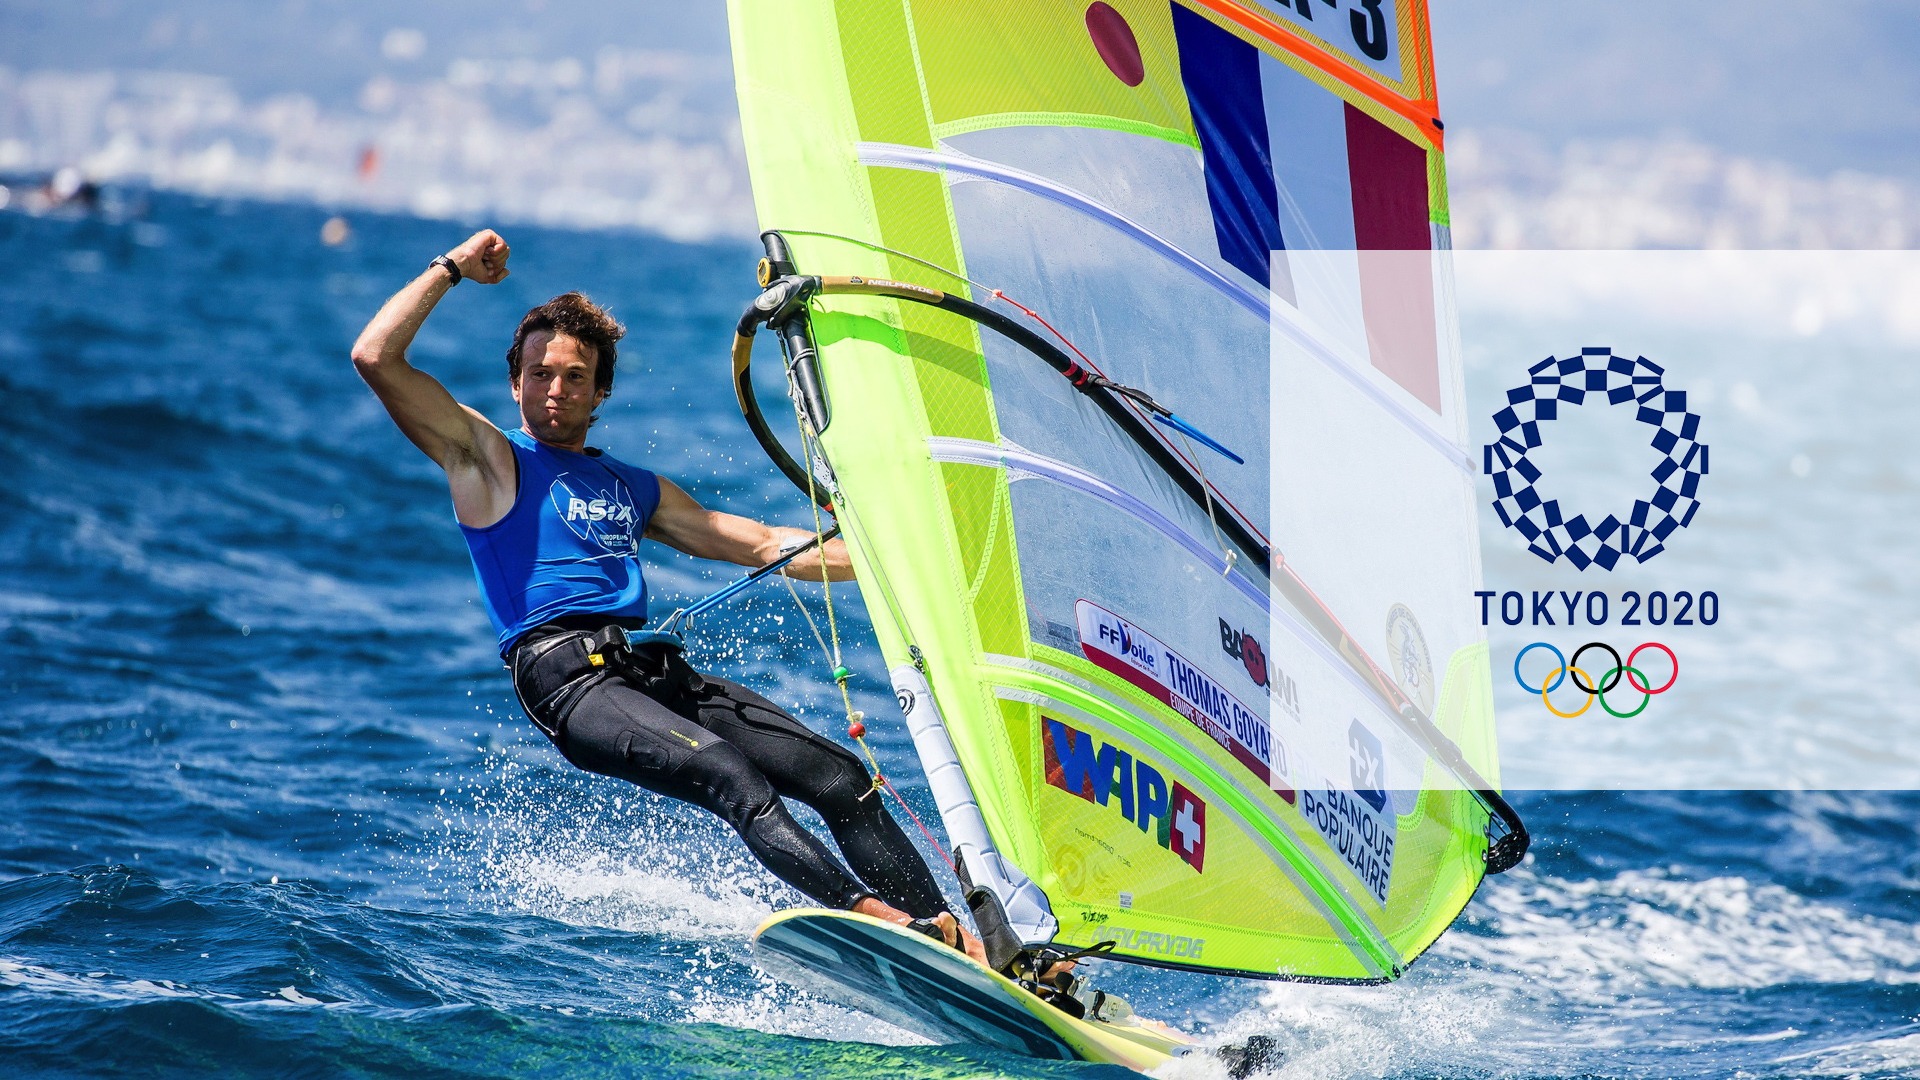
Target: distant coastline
x=650 y=141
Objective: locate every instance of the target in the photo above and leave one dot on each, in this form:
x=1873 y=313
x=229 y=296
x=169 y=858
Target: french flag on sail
x=1291 y=167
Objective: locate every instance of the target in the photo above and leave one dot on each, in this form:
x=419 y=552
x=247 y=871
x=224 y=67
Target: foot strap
x=931 y=928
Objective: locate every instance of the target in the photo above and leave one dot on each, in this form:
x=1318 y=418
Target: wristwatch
x=451 y=267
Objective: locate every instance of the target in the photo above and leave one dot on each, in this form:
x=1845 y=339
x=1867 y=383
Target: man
x=554 y=528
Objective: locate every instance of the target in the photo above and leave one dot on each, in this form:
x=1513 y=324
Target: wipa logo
x=1596 y=376
x=600 y=516
x=1106 y=775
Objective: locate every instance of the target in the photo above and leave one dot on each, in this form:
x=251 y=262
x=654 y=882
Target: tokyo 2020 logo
x=1639 y=532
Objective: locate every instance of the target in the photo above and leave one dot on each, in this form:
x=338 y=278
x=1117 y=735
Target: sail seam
x=1063 y=119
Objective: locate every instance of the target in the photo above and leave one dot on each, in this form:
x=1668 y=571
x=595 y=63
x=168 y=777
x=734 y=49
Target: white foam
x=603 y=856
x=590 y=851
x=1362 y=1031
x=1897 y=1055
x=1558 y=971
x=95 y=984
x=1596 y=939
x=592 y=888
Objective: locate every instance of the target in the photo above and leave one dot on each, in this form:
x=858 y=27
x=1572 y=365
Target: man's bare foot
x=951 y=931
x=969 y=944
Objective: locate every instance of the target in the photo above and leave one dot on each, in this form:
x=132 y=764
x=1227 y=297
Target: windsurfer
x=554 y=528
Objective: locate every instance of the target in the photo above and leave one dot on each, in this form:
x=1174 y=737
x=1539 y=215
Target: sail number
x=1368 y=20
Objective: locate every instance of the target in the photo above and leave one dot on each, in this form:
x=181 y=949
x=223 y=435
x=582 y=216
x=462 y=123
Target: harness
x=553 y=671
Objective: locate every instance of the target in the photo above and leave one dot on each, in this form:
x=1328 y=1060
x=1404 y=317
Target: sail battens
x=1022 y=463
x=910 y=157
x=1258 y=304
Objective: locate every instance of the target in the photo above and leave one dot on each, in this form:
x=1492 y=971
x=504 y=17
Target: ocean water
x=267 y=806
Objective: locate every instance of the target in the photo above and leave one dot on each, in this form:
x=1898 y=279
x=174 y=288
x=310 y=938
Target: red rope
x=888 y=784
x=1095 y=368
x=1035 y=316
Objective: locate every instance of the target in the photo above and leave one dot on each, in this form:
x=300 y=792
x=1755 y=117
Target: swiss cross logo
x=1189 y=839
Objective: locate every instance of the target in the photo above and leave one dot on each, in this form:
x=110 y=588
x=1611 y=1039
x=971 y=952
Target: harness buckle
x=614 y=643
x=616 y=648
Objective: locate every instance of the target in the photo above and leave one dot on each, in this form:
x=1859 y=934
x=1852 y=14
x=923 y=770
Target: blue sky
x=1824 y=87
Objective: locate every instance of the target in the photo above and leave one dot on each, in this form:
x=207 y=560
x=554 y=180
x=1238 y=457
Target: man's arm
x=476 y=457
x=685 y=525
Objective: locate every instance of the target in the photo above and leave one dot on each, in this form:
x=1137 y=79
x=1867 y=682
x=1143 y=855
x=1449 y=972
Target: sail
x=1140 y=407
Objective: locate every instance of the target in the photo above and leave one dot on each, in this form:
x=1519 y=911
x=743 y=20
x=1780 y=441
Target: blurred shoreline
x=642 y=140
x=649 y=140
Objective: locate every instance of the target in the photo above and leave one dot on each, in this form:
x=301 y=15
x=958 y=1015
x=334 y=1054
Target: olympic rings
x=1559 y=674
x=1597 y=690
x=1574 y=664
x=1670 y=657
x=1644 y=702
x=1549 y=701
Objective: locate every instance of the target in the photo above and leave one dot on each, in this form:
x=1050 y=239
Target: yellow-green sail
x=1231 y=716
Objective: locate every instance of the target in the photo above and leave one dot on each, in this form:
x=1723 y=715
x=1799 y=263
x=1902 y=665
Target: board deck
x=916 y=983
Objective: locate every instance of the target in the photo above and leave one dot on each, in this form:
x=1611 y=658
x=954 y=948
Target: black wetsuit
x=718 y=745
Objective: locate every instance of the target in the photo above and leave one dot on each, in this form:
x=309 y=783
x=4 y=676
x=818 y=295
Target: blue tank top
x=571 y=543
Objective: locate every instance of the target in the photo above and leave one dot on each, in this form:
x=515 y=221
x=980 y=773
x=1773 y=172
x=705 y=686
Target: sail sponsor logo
x=1145 y=661
x=1408 y=658
x=1104 y=774
x=1130 y=645
x=602 y=517
x=1244 y=647
x=1354 y=819
x=899 y=286
x=1146 y=941
x=1367 y=765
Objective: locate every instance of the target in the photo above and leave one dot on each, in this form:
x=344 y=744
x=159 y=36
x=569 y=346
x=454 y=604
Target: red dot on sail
x=1114 y=40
